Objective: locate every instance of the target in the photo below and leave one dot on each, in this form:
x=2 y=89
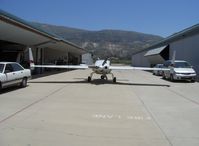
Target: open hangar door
x=11 y=52
x=158 y=55
x=17 y=35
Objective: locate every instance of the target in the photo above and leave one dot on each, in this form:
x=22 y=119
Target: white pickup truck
x=12 y=73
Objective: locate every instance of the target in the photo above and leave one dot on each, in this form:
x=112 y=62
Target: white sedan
x=12 y=73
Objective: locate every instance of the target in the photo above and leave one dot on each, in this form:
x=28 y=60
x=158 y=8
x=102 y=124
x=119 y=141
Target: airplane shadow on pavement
x=98 y=82
x=84 y=81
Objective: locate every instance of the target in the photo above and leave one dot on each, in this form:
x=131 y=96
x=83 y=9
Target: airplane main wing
x=62 y=66
x=135 y=68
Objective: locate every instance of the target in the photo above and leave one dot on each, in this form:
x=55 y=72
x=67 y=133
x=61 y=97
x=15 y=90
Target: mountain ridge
x=104 y=43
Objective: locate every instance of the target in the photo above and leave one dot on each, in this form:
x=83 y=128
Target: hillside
x=104 y=43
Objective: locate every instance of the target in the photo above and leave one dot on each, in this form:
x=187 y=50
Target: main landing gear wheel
x=114 y=80
x=102 y=77
x=89 y=79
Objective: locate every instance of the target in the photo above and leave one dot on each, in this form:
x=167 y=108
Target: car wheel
x=89 y=79
x=24 y=82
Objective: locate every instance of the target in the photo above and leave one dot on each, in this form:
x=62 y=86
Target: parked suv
x=179 y=70
x=12 y=73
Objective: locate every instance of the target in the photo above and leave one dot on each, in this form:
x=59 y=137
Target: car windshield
x=182 y=65
x=1 y=68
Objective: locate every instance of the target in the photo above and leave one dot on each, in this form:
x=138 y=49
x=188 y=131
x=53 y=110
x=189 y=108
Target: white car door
x=19 y=72
x=10 y=75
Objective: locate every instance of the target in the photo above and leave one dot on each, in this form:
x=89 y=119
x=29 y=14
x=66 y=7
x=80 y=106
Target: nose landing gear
x=102 y=77
x=114 y=80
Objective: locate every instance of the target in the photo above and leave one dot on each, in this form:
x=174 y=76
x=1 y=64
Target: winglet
x=31 y=60
x=173 y=57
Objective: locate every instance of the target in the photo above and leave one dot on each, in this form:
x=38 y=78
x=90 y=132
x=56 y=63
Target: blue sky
x=159 y=17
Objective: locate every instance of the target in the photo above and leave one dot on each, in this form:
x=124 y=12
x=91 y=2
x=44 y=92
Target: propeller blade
x=104 y=62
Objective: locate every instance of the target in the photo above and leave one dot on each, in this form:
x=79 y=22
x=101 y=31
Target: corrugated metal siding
x=187 y=49
x=140 y=60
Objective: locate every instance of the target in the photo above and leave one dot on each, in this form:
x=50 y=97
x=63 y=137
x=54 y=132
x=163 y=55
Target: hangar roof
x=17 y=30
x=193 y=30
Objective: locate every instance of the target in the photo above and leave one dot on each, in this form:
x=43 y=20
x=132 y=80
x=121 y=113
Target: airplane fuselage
x=102 y=67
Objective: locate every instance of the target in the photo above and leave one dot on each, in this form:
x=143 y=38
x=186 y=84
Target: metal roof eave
x=155 y=51
x=26 y=25
x=176 y=36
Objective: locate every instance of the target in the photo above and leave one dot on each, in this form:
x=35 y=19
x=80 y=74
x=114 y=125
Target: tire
x=23 y=83
x=89 y=79
x=102 y=77
x=114 y=80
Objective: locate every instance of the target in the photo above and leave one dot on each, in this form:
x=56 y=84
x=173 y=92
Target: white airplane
x=102 y=67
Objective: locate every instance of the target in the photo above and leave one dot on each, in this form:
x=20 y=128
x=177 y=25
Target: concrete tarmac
x=64 y=110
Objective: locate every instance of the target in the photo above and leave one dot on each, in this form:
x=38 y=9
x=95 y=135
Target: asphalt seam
x=182 y=96
x=147 y=109
x=30 y=105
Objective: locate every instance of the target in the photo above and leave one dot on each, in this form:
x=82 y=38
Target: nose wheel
x=102 y=77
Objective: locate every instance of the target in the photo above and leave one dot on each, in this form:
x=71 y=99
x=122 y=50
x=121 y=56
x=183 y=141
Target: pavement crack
x=155 y=121
x=30 y=105
x=182 y=96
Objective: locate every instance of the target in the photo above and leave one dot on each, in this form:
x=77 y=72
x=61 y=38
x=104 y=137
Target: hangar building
x=185 y=43
x=16 y=35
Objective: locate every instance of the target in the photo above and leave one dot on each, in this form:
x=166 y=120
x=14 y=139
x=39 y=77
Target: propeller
x=104 y=62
